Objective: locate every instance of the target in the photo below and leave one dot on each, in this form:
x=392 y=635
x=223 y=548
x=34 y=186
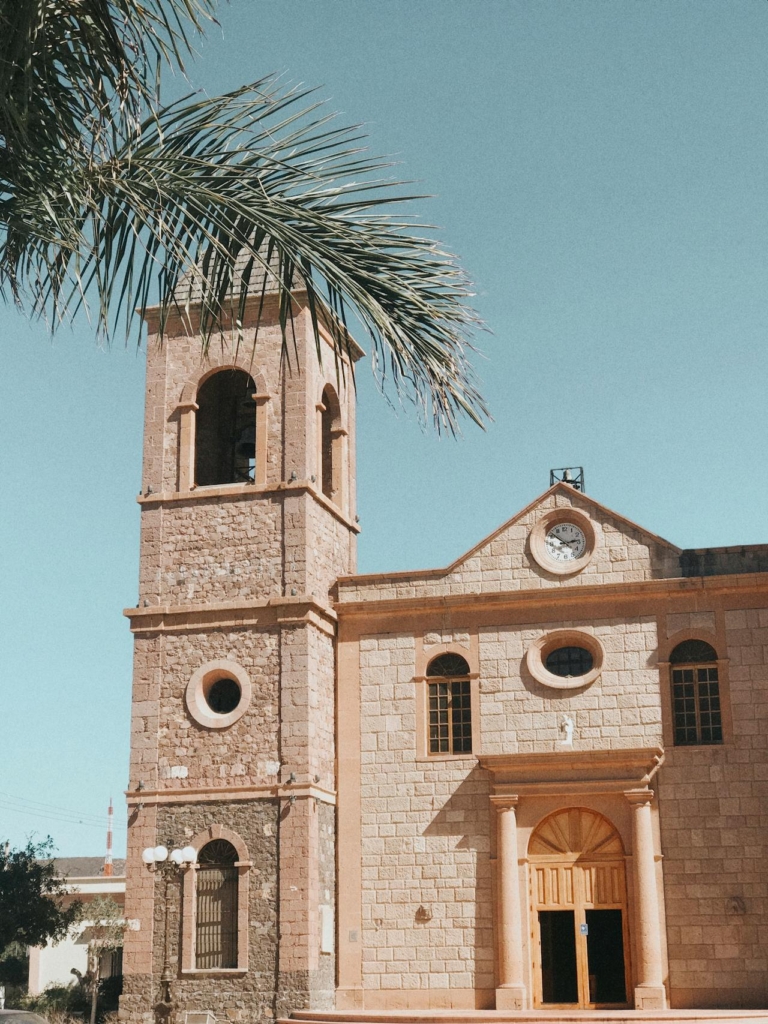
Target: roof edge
x=559 y=485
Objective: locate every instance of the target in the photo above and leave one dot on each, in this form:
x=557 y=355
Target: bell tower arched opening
x=225 y=429
x=331 y=436
x=579 y=905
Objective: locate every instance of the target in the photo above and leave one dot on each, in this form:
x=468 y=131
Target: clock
x=565 y=542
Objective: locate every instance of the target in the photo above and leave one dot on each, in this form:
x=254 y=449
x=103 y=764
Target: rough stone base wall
x=248 y=997
x=137 y=999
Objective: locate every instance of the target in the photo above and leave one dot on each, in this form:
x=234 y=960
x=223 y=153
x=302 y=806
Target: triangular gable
x=623 y=552
x=581 y=500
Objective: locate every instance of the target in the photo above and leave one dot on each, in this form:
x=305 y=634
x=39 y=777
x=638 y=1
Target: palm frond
x=259 y=184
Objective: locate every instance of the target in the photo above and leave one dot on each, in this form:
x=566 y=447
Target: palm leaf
x=105 y=196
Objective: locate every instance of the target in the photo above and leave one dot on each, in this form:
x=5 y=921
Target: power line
x=54 y=817
x=27 y=801
x=52 y=813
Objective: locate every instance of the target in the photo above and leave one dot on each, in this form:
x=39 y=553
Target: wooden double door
x=579 y=912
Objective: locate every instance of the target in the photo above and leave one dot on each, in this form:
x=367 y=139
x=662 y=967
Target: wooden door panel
x=577 y=863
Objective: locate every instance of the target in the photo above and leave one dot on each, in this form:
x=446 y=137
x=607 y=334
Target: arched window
x=450 y=708
x=225 y=429
x=330 y=446
x=695 y=694
x=216 y=911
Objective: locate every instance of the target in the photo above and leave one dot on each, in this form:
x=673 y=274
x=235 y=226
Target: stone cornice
x=209 y=794
x=170 y=618
x=666 y=589
x=572 y=771
x=237 y=492
x=184 y=319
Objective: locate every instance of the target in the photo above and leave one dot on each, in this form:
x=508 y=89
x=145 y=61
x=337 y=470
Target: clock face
x=565 y=542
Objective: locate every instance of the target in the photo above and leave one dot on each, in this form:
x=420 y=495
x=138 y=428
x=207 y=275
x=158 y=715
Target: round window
x=218 y=694
x=568 y=662
x=222 y=695
x=565 y=659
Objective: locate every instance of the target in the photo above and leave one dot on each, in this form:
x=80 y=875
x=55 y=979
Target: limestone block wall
x=426 y=884
x=714 y=818
x=622 y=708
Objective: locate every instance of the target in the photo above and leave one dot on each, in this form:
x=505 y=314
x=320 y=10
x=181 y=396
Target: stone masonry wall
x=200 y=549
x=248 y=998
x=324 y=982
x=329 y=546
x=425 y=843
x=247 y=544
x=714 y=833
x=621 y=708
x=245 y=753
x=221 y=549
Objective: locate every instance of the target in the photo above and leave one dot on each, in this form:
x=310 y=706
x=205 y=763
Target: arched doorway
x=579 y=911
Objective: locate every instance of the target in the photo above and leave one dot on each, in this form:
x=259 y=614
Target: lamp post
x=169 y=865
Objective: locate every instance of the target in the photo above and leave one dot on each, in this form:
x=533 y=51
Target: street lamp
x=169 y=865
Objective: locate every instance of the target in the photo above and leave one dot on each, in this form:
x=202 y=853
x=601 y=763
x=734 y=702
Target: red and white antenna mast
x=108 y=855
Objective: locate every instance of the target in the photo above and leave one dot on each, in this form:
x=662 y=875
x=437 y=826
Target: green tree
x=104 y=932
x=32 y=897
x=109 y=194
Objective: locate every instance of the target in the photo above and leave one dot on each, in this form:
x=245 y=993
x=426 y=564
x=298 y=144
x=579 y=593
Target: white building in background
x=54 y=964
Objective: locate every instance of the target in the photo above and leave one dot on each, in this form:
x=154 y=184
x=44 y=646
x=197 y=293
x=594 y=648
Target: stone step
x=528 y=1017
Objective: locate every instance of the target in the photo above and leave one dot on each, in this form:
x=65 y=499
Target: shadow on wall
x=460 y=877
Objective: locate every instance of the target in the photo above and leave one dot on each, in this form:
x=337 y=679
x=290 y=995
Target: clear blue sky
x=600 y=167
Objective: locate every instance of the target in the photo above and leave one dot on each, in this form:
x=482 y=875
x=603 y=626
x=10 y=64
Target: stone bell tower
x=248 y=518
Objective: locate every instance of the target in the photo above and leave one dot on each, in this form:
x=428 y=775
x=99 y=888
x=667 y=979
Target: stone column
x=649 y=989
x=510 y=995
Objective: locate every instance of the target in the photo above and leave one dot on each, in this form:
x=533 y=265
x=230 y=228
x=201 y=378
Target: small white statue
x=566 y=730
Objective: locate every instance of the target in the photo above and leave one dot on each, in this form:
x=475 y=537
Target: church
x=534 y=779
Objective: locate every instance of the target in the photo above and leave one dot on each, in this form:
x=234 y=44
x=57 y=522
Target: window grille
x=696 y=707
x=569 y=662
x=216 y=918
x=450 y=706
